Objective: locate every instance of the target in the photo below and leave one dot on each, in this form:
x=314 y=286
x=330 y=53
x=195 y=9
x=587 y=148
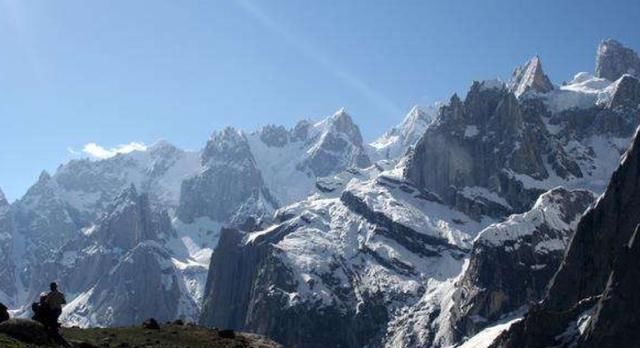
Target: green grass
x=169 y=336
x=9 y=342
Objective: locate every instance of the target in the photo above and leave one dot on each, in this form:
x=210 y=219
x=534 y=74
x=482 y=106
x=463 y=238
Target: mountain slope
x=385 y=257
x=158 y=212
x=596 y=278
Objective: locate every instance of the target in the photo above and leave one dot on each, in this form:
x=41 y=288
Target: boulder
x=151 y=324
x=25 y=330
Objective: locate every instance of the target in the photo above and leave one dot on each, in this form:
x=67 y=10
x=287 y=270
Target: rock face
x=530 y=77
x=597 y=277
x=512 y=262
x=159 y=209
x=409 y=251
x=229 y=180
x=486 y=142
x=614 y=60
x=7 y=268
x=257 y=172
x=337 y=146
x=377 y=256
x=519 y=148
x=361 y=264
x=122 y=254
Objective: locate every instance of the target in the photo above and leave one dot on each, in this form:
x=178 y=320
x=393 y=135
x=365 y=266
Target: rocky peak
x=626 y=92
x=476 y=142
x=131 y=220
x=274 y=136
x=512 y=262
x=415 y=123
x=614 y=60
x=301 y=130
x=44 y=177
x=228 y=181
x=337 y=145
x=227 y=146
x=341 y=122
x=415 y=114
x=592 y=299
x=530 y=77
x=396 y=142
x=3 y=199
x=162 y=148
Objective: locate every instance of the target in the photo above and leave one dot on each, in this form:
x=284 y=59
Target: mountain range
x=463 y=225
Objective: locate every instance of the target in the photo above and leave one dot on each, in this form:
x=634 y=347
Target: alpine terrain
x=505 y=217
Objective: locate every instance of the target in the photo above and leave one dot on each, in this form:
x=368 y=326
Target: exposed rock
x=530 y=77
x=614 y=60
x=512 y=262
x=275 y=136
x=122 y=254
x=229 y=180
x=338 y=145
x=8 y=289
x=598 y=275
x=347 y=288
x=482 y=143
x=151 y=324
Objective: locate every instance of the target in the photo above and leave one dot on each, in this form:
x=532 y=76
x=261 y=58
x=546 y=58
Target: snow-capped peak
x=530 y=77
x=396 y=141
x=227 y=136
x=229 y=145
x=340 y=122
x=162 y=146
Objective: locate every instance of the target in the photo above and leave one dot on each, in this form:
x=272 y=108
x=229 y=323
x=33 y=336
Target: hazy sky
x=108 y=73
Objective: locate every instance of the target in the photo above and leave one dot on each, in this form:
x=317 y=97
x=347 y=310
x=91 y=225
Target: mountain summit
x=530 y=77
x=614 y=60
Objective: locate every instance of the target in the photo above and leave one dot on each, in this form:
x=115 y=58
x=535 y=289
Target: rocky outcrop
x=530 y=77
x=131 y=220
x=43 y=216
x=8 y=289
x=614 y=60
x=334 y=265
x=146 y=284
x=89 y=186
x=228 y=180
x=337 y=146
x=512 y=262
x=121 y=268
x=485 y=142
x=597 y=277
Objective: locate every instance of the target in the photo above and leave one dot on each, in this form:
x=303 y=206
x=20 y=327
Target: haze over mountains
x=442 y=231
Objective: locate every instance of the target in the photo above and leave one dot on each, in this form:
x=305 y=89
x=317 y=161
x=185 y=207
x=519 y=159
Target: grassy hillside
x=168 y=336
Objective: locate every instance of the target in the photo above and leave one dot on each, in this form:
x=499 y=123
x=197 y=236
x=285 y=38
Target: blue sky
x=115 y=72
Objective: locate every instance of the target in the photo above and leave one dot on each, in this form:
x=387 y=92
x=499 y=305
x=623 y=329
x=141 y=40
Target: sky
x=97 y=77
